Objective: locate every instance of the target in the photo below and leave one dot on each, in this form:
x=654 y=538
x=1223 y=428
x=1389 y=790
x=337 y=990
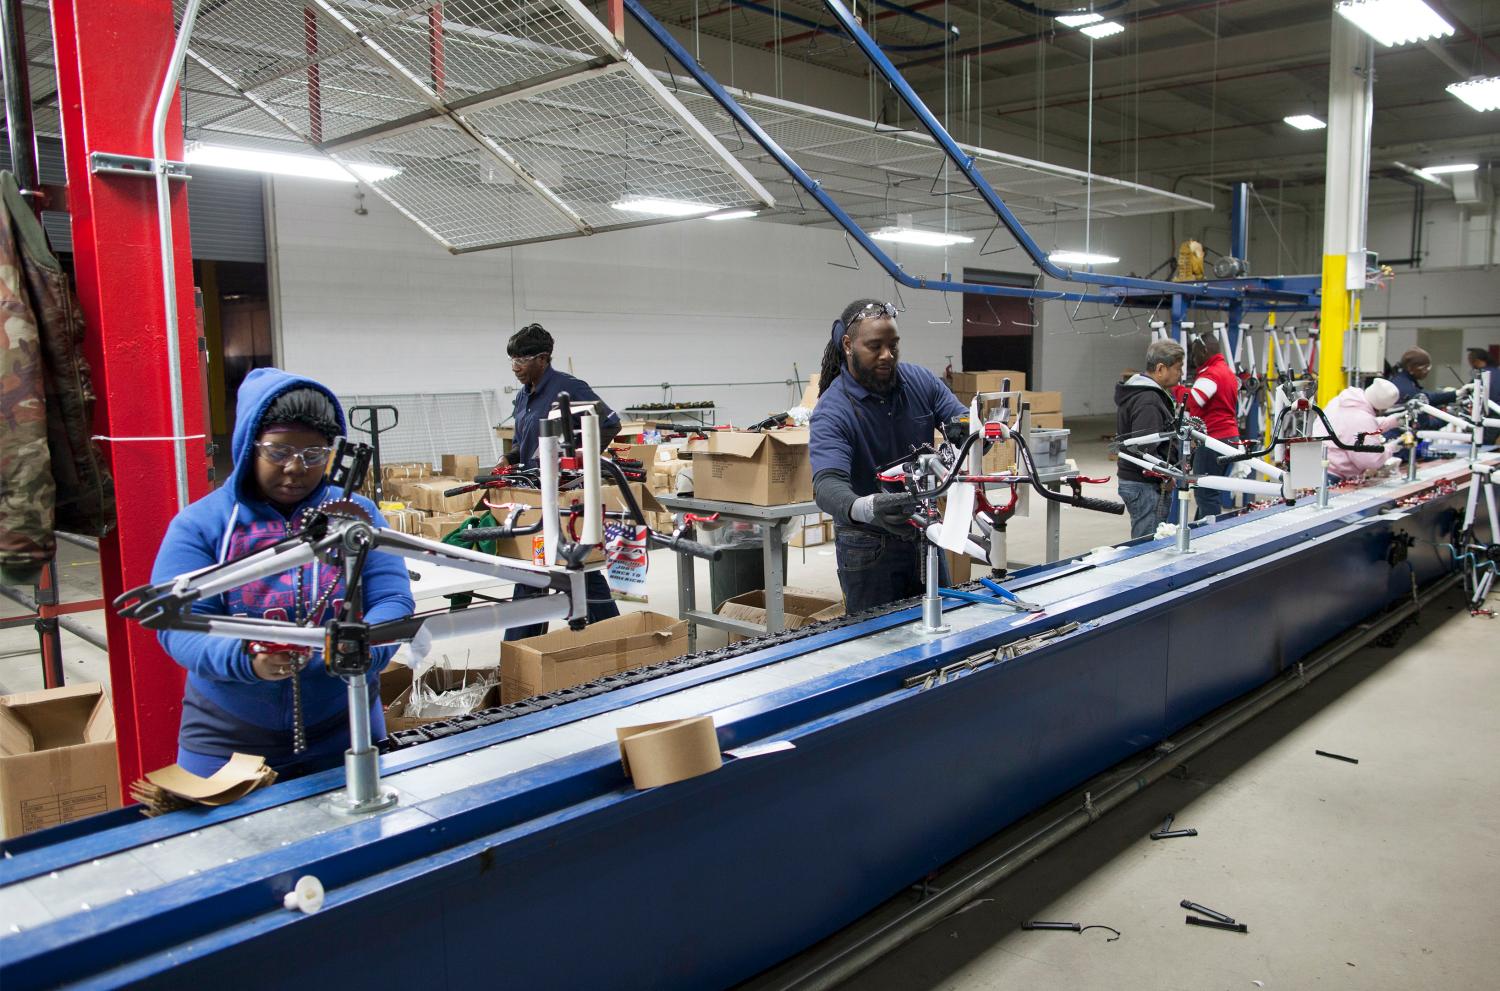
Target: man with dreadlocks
x=872 y=411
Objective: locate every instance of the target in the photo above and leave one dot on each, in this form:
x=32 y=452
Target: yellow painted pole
x=1332 y=324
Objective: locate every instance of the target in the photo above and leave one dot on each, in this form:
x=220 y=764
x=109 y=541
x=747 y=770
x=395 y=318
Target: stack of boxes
x=1046 y=407
x=425 y=511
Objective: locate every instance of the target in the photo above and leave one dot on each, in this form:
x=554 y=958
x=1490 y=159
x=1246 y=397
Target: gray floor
x=1376 y=875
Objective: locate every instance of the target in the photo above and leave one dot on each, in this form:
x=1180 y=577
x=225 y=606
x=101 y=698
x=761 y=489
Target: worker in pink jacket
x=1357 y=411
x=1213 y=398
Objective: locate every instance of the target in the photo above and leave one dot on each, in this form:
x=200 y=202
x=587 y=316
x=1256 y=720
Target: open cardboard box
x=57 y=757
x=799 y=607
x=396 y=689
x=564 y=658
x=762 y=468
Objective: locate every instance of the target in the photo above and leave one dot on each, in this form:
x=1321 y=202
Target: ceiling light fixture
x=734 y=215
x=280 y=163
x=1103 y=29
x=1446 y=169
x=1482 y=92
x=913 y=235
x=1305 y=122
x=1078 y=20
x=1070 y=257
x=1395 y=22
x=663 y=207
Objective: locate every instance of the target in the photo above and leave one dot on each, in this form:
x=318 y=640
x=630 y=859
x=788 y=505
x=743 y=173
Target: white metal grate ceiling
x=491 y=122
x=876 y=172
x=592 y=128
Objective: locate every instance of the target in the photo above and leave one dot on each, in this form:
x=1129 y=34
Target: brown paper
x=656 y=754
x=242 y=774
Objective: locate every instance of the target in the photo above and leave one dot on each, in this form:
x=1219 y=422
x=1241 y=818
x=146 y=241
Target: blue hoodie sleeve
x=189 y=546
x=387 y=590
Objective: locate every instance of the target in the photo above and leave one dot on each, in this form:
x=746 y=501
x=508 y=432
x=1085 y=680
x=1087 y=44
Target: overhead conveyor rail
x=1236 y=295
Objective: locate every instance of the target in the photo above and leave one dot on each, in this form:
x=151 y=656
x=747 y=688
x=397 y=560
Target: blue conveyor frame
x=561 y=875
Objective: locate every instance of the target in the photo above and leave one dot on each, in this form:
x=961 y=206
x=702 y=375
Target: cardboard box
x=663 y=476
x=960 y=567
x=440 y=679
x=564 y=658
x=57 y=757
x=813 y=391
x=1052 y=421
x=811 y=531
x=438 y=526
x=766 y=468
x=1044 y=402
x=464 y=466
x=799 y=607
x=644 y=453
x=987 y=381
x=427 y=495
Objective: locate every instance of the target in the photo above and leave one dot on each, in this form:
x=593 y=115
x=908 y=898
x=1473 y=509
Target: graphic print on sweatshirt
x=275 y=597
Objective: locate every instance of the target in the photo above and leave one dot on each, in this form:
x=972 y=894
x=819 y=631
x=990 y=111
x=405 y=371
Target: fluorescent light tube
x=1482 y=92
x=734 y=215
x=1078 y=20
x=927 y=239
x=1445 y=169
x=1069 y=257
x=1103 y=29
x=1395 y=22
x=663 y=207
x=1305 y=122
x=281 y=163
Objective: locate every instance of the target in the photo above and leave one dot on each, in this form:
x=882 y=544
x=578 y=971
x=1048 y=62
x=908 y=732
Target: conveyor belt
x=792 y=672
x=61 y=893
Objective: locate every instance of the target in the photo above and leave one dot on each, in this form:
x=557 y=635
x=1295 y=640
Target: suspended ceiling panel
x=487 y=122
x=877 y=172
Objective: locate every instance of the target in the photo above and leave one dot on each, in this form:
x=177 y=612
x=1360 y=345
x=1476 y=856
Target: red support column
x=111 y=58
x=435 y=48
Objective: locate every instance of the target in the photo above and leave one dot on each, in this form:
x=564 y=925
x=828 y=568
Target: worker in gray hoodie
x=1143 y=405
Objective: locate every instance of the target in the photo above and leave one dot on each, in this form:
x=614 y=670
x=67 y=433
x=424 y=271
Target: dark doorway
x=998 y=330
x=236 y=327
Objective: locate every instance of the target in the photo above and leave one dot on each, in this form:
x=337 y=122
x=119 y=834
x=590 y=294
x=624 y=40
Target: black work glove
x=888 y=510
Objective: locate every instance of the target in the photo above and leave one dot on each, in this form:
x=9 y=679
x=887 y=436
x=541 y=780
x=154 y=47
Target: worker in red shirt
x=1213 y=398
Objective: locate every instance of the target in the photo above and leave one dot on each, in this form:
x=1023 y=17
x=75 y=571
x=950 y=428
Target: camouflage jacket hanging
x=51 y=474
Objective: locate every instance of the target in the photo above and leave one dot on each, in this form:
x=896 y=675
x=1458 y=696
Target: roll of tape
x=657 y=754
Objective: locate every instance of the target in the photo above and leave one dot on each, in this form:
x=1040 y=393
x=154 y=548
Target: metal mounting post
x=932 y=599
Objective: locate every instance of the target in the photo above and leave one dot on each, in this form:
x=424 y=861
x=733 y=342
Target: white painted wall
x=371 y=304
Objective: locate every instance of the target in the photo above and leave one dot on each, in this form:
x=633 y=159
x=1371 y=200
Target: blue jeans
x=877 y=569
x=1146 y=505
x=1210 y=502
x=601 y=606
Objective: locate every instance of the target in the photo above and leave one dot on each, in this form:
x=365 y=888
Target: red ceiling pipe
x=111 y=58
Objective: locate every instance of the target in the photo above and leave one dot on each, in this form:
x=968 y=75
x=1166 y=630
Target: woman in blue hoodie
x=235 y=700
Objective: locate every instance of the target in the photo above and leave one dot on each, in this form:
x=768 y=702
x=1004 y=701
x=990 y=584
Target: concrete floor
x=1376 y=875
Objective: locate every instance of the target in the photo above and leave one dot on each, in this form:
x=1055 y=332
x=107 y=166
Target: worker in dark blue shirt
x=530 y=350
x=872 y=411
x=1479 y=362
x=1416 y=363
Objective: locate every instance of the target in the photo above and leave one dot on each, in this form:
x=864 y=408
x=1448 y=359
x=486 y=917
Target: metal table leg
x=1054 y=527
x=770 y=539
x=687 y=596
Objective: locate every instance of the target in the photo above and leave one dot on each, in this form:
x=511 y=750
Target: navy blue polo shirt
x=532 y=407
x=855 y=431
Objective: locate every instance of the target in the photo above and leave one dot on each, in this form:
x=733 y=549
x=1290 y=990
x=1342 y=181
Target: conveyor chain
x=636 y=676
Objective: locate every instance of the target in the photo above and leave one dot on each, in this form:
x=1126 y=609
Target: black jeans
x=875 y=569
x=1210 y=502
x=601 y=606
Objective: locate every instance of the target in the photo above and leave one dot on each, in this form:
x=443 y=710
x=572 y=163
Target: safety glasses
x=284 y=454
x=876 y=310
